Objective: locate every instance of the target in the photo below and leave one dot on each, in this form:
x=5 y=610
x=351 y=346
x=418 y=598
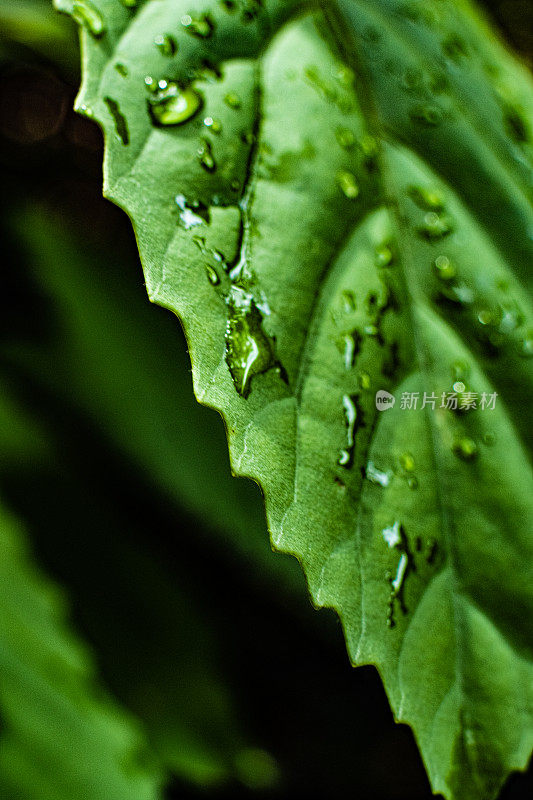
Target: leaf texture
x=336 y=200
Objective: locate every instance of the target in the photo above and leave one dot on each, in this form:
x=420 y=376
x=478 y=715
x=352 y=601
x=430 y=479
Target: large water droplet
x=169 y=105
x=352 y=417
x=89 y=16
x=249 y=351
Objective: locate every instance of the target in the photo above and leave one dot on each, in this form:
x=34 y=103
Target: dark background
x=134 y=550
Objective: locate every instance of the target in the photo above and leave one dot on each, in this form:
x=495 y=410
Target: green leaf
x=337 y=200
x=61 y=735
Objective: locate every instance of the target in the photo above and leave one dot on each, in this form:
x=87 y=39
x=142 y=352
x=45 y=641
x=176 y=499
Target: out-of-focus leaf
x=60 y=735
x=337 y=200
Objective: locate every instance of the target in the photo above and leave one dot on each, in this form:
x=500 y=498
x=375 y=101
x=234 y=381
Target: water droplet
x=485 y=317
x=364 y=381
x=384 y=256
x=249 y=352
x=344 y=74
x=375 y=475
x=122 y=69
x=412 y=482
x=352 y=344
x=369 y=148
x=489 y=439
x=212 y=275
x=426 y=198
x=190 y=215
x=205 y=156
x=436 y=226
x=407 y=462
x=393 y=534
x=89 y=16
x=214 y=125
x=129 y=3
x=202 y=27
x=352 y=419
x=169 y=105
x=455 y=48
x=233 y=100
x=166 y=44
x=459 y=386
x=526 y=346
x=426 y=115
x=465 y=448
x=445 y=269
x=348 y=184
x=121 y=126
x=348 y=299
x=345 y=137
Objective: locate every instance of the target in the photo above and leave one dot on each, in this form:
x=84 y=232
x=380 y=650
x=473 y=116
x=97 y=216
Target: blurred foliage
x=204 y=661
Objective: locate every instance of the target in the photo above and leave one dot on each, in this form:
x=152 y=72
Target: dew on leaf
x=89 y=16
x=202 y=27
x=377 y=476
x=205 y=156
x=526 y=346
x=393 y=535
x=444 y=268
x=426 y=115
x=352 y=418
x=465 y=448
x=188 y=215
x=407 y=462
x=384 y=256
x=412 y=482
x=348 y=184
x=364 y=381
x=426 y=198
x=129 y=3
x=121 y=126
x=121 y=69
x=169 y=105
x=249 y=351
x=489 y=439
x=212 y=275
x=233 y=100
x=345 y=137
x=214 y=125
x=435 y=226
x=352 y=343
x=166 y=44
x=349 y=301
x=369 y=147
